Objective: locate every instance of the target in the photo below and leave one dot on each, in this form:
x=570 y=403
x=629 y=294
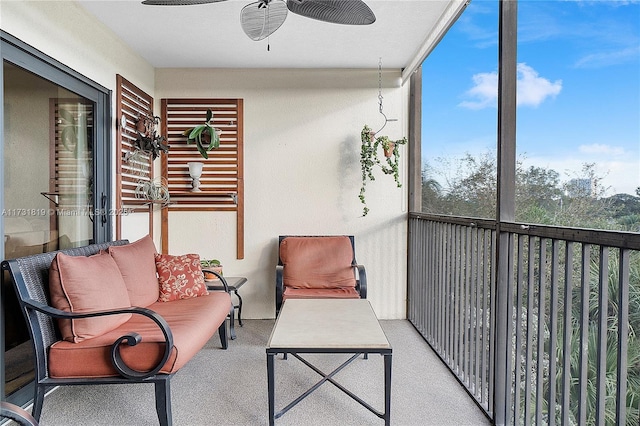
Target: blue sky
x=578 y=88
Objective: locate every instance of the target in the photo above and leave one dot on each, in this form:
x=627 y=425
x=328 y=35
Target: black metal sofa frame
x=30 y=276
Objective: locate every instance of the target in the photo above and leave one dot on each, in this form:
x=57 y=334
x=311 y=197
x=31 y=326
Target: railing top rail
x=616 y=239
x=456 y=220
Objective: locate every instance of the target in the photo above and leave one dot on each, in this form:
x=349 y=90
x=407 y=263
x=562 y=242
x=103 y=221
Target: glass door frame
x=30 y=59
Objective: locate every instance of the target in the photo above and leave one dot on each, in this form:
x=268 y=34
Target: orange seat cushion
x=190 y=328
x=320 y=293
x=317 y=262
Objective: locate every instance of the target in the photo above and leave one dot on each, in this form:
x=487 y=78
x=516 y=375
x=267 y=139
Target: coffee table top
x=327 y=324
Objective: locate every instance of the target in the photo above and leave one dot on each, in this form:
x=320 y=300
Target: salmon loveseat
x=115 y=313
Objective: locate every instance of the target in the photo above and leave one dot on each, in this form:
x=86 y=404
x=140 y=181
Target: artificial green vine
x=369 y=159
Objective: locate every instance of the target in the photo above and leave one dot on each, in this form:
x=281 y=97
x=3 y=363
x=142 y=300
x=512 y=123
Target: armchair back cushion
x=137 y=265
x=83 y=284
x=317 y=262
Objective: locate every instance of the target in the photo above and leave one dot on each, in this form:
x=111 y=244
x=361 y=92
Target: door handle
x=103 y=209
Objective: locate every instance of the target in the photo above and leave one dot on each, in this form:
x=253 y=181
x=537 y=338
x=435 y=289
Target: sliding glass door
x=55 y=176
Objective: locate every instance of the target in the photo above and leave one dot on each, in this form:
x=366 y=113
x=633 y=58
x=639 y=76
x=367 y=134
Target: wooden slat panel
x=132 y=103
x=221 y=184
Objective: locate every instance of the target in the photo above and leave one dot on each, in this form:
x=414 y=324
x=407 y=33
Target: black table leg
x=387 y=389
x=271 y=388
x=232 y=329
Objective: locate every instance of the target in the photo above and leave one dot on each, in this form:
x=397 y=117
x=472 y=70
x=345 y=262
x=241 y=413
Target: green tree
x=586 y=206
x=626 y=211
x=538 y=196
x=467 y=187
x=469 y=191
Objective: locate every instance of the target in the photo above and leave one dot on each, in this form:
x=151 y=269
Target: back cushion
x=137 y=265
x=317 y=262
x=85 y=284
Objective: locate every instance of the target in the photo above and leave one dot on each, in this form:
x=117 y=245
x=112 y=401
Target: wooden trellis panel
x=222 y=182
x=132 y=103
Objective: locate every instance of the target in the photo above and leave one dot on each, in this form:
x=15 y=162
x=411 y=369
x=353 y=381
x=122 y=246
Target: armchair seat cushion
x=320 y=293
x=91 y=357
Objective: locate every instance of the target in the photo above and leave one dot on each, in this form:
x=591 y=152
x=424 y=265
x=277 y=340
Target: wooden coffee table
x=328 y=326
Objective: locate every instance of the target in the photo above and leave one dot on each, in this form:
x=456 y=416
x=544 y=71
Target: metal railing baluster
x=623 y=337
x=554 y=295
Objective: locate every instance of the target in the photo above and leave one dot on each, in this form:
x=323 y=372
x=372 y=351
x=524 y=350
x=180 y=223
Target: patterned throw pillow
x=180 y=277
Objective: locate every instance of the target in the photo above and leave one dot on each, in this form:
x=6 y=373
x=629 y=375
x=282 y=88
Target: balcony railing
x=557 y=360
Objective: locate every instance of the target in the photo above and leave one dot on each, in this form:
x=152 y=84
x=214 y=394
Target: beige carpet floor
x=230 y=388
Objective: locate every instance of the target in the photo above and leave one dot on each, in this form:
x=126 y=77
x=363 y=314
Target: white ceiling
x=209 y=35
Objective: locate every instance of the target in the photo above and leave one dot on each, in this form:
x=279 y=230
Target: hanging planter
x=205 y=136
x=149 y=140
x=369 y=159
x=388 y=149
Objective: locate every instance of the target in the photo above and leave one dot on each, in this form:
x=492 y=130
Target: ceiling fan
x=263 y=17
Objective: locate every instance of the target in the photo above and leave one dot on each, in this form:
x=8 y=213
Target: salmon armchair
x=318 y=267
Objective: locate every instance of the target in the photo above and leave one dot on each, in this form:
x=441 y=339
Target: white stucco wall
x=302 y=175
x=302 y=144
x=66 y=32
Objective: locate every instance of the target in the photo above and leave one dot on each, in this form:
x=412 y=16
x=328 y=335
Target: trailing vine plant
x=369 y=159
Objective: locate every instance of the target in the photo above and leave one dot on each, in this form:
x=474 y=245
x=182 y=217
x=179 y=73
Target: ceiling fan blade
x=178 y=2
x=348 y=12
x=262 y=18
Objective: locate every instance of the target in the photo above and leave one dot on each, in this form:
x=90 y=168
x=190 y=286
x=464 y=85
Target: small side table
x=234 y=284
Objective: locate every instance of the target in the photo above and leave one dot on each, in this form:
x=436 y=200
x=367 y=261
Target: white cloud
x=532 y=89
x=601 y=149
x=484 y=91
x=604 y=59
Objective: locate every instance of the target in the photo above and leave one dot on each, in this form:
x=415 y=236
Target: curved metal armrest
x=220 y=277
x=362 y=281
x=17 y=414
x=131 y=339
